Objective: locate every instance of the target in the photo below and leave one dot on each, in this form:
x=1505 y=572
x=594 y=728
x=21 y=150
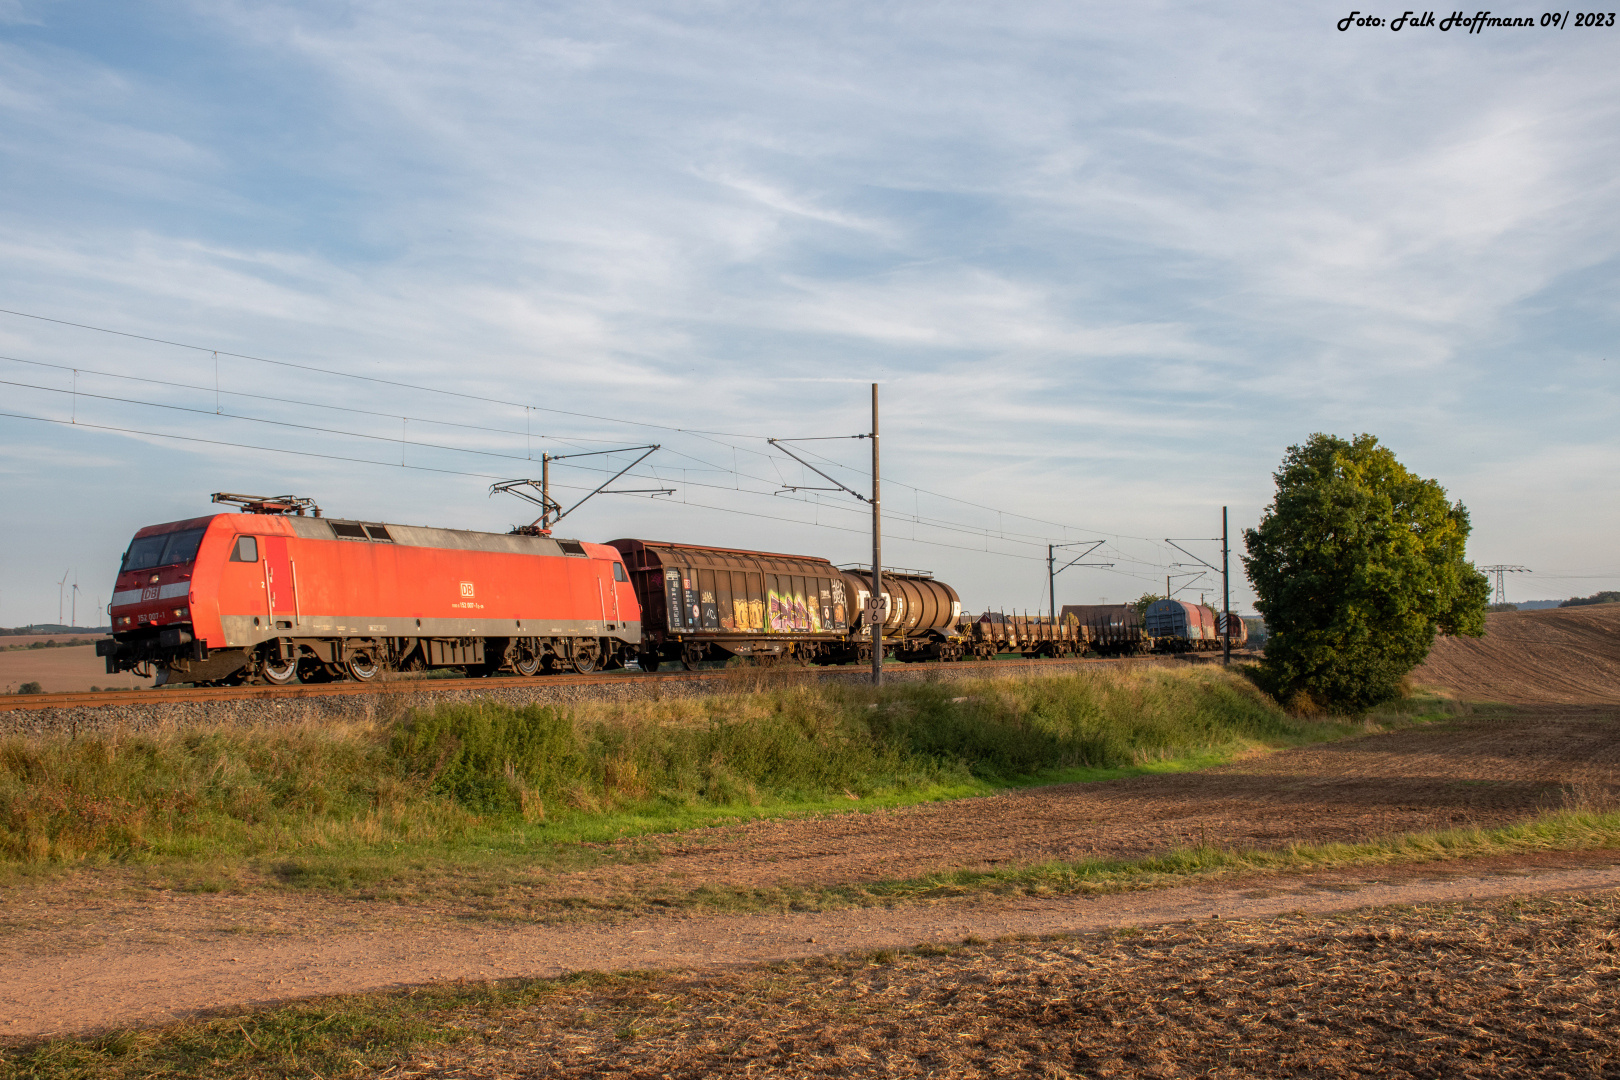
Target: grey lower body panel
x=247 y=631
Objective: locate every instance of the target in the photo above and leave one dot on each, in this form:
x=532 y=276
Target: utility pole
x=1504 y=568
x=1226 y=591
x=879 y=611
x=1224 y=571
x=875 y=610
x=1053 y=570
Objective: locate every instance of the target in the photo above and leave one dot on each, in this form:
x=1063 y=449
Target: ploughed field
x=60 y=670
x=1511 y=988
x=1563 y=655
x=1479 y=771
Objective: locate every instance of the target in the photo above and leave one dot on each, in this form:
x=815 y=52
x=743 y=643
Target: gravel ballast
x=396 y=696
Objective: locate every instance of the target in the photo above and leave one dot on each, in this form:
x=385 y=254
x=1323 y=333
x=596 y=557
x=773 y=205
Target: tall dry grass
x=446 y=776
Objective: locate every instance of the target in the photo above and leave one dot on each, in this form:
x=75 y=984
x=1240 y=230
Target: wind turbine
x=75 y=619
x=61 y=602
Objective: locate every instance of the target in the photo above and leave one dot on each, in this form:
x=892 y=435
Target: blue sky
x=1107 y=264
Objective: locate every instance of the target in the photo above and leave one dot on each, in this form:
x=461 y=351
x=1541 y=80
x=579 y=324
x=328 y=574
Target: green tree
x=1357 y=564
x=1145 y=601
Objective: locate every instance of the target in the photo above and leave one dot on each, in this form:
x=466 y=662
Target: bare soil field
x=116 y=945
x=1566 y=655
x=1478 y=771
x=1507 y=989
x=60 y=670
x=194 y=954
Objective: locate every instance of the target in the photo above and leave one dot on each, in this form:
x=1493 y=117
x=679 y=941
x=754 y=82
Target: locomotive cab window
x=618 y=572
x=246 y=550
x=164 y=550
x=145 y=553
x=182 y=547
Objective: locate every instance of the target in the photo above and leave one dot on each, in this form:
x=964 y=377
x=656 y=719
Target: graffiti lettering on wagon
x=789 y=612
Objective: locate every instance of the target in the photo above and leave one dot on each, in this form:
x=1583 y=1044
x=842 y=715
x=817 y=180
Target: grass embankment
x=488 y=784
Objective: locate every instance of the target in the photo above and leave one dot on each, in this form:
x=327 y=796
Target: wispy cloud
x=1107 y=262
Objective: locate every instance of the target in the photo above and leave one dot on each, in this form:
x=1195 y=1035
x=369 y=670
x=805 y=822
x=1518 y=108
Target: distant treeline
x=53 y=628
x=69 y=643
x=1608 y=596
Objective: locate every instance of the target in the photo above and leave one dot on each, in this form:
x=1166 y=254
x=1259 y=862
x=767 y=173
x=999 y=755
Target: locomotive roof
x=671 y=545
x=328 y=528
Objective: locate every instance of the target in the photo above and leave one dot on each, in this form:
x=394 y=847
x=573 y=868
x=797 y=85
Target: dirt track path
x=1482 y=771
x=138 y=980
x=80 y=954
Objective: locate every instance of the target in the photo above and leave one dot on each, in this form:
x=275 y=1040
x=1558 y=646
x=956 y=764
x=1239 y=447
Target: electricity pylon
x=1499 y=569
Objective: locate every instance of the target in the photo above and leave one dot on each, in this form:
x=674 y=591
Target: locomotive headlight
x=178 y=613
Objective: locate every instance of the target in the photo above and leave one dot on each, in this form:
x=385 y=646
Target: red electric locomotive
x=278 y=596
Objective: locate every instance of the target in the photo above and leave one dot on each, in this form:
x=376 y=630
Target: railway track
x=202 y=694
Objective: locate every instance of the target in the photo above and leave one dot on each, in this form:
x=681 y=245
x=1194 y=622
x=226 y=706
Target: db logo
x=466 y=588
x=149 y=593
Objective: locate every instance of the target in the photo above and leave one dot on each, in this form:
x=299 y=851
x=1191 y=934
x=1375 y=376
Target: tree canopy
x=1357 y=564
x=1606 y=597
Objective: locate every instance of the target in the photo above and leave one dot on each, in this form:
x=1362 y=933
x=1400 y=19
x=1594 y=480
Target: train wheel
x=585 y=656
x=648 y=661
x=279 y=672
x=527 y=665
x=362 y=668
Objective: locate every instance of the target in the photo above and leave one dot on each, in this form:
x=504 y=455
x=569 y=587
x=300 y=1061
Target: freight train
x=279 y=595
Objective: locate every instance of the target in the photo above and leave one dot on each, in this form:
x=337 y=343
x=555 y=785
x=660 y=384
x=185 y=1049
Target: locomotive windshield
x=165 y=549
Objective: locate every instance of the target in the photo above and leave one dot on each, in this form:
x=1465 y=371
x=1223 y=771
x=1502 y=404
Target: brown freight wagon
x=707 y=603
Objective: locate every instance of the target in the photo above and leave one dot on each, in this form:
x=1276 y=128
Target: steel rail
x=202 y=694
